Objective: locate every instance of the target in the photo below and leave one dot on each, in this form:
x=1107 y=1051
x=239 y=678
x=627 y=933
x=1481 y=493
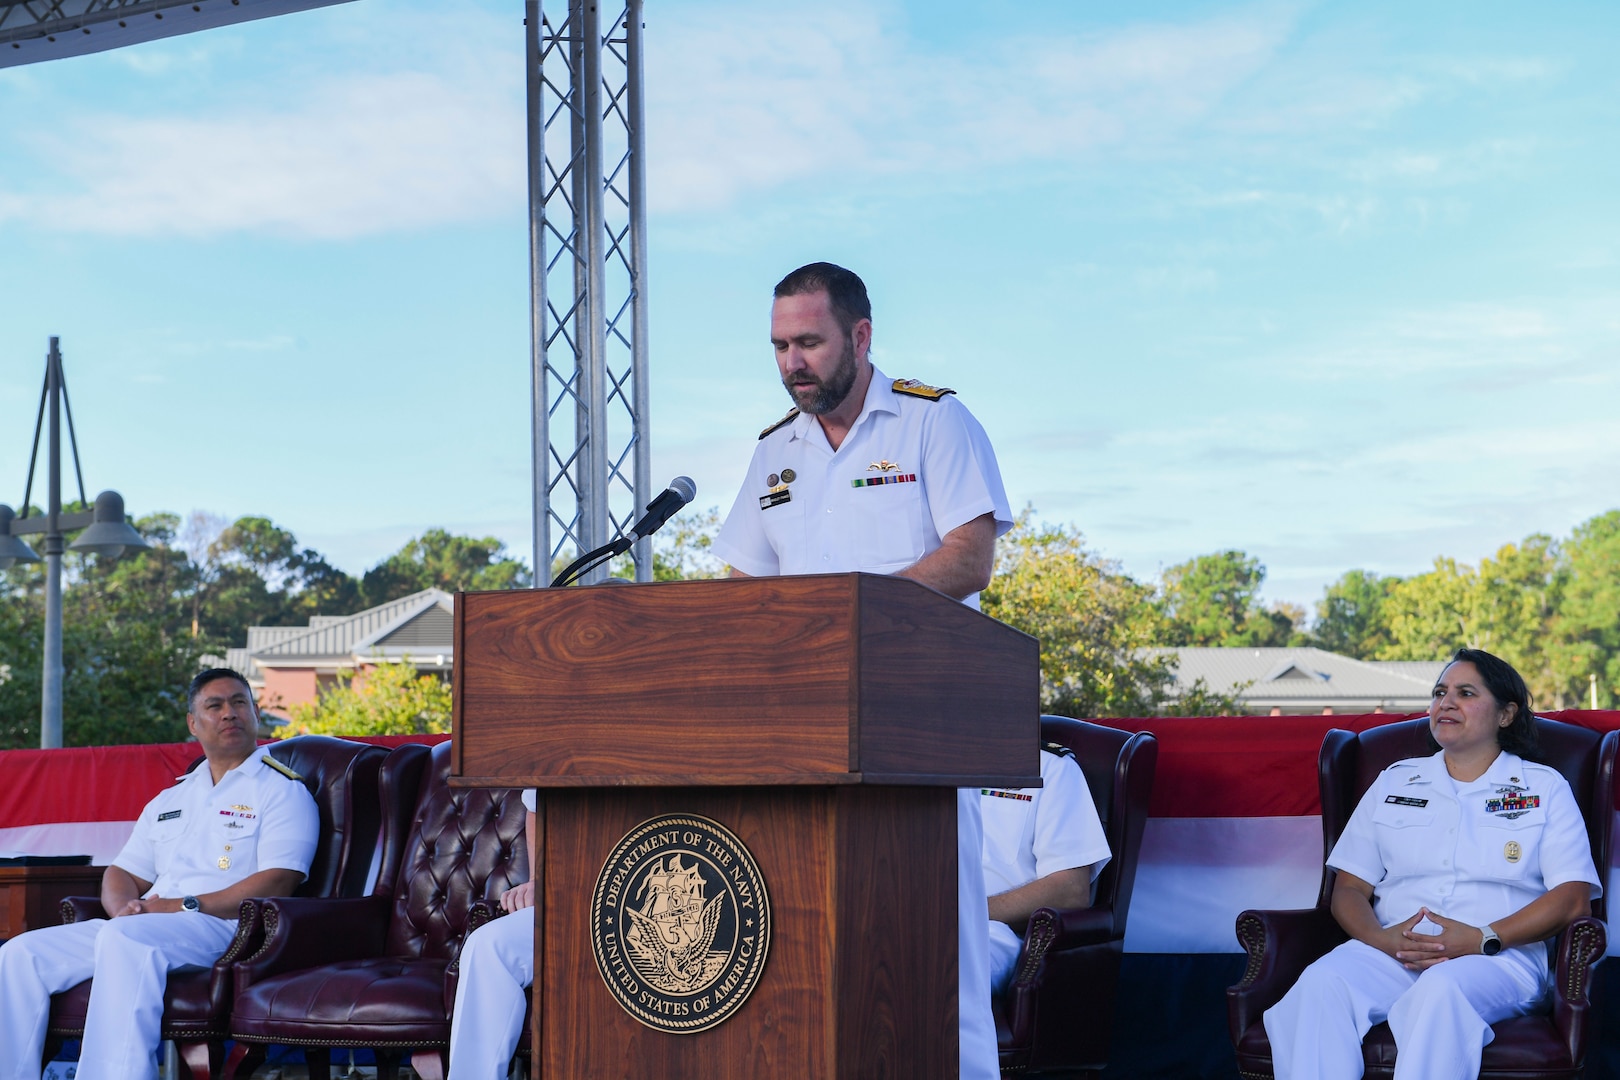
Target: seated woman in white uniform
x=497 y=967
x=1453 y=873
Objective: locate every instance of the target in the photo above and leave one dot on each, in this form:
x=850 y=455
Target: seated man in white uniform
x=1043 y=847
x=497 y=967
x=886 y=476
x=239 y=825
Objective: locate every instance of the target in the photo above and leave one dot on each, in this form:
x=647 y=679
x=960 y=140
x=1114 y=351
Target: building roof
x=1307 y=679
x=421 y=626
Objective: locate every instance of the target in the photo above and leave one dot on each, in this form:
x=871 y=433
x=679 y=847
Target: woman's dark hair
x=1505 y=686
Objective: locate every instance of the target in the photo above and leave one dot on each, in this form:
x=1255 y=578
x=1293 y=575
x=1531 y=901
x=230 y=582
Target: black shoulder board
x=788 y=419
x=922 y=390
x=280 y=768
x=1057 y=748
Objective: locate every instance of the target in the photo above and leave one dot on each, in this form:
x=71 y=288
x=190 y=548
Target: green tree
x=1095 y=624
x=389 y=699
x=1215 y=600
x=1351 y=618
x=1504 y=606
x=126 y=652
x=1585 y=637
x=254 y=574
x=683 y=549
x=439 y=559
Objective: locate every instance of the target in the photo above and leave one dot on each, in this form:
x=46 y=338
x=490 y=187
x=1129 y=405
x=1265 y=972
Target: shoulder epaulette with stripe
x=788 y=419
x=282 y=769
x=1057 y=748
x=922 y=390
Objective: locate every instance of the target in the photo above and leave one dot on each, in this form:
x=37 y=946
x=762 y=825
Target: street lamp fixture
x=12 y=549
x=105 y=533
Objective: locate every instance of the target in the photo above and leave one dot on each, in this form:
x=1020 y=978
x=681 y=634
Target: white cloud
x=354 y=156
x=746 y=99
x=742 y=99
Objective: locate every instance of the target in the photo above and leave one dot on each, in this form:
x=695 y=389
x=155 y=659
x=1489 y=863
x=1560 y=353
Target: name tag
x=170 y=816
x=777 y=497
x=1405 y=800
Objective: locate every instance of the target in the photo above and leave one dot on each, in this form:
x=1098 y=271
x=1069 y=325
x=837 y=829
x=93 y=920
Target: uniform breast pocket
x=891 y=527
x=236 y=826
x=1511 y=849
x=784 y=530
x=1405 y=837
x=167 y=834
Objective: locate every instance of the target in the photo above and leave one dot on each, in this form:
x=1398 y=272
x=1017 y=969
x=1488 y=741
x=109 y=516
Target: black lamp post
x=105 y=533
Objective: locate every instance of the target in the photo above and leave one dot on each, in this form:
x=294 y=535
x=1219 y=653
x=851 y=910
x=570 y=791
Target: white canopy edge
x=31 y=32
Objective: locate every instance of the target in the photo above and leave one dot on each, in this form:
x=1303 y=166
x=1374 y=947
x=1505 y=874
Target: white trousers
x=977 y=1027
x=1440 y=1017
x=130 y=958
x=1004 y=949
x=497 y=967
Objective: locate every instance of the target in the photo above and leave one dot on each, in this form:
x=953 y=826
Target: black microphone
x=681 y=491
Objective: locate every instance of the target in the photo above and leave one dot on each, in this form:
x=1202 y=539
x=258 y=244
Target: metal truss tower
x=588 y=278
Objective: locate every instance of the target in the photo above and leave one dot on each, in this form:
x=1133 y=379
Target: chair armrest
x=1075 y=927
x=248 y=937
x=1280 y=944
x=481 y=912
x=306 y=932
x=1578 y=950
x=1054 y=930
x=82 y=909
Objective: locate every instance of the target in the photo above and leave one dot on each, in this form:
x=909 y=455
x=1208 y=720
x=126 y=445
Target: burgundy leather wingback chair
x=370 y=972
x=1058 y=1011
x=343 y=778
x=1281 y=944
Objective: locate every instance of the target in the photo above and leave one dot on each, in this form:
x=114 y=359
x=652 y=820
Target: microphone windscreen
x=684 y=487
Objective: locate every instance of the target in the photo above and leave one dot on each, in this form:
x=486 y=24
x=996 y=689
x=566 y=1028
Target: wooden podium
x=824 y=722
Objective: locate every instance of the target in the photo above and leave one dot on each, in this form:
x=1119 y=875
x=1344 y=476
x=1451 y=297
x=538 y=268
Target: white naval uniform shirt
x=1032 y=832
x=944 y=475
x=199 y=837
x=1477 y=851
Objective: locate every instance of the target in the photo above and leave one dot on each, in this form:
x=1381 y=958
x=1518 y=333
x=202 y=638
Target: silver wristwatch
x=190 y=903
x=1489 y=943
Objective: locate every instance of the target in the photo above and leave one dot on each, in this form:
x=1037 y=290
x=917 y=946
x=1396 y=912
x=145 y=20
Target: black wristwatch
x=1489 y=943
x=190 y=903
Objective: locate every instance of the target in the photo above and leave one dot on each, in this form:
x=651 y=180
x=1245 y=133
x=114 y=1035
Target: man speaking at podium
x=887 y=477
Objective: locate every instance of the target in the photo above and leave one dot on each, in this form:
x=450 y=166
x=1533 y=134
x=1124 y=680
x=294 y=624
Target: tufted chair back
x=342 y=775
x=465 y=845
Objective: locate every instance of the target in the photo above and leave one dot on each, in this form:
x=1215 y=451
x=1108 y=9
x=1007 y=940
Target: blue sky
x=1337 y=284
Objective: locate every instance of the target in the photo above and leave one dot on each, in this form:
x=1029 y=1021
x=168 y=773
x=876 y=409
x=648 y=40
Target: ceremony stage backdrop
x=1235 y=816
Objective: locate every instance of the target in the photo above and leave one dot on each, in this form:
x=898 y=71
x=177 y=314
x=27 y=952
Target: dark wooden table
x=30 y=895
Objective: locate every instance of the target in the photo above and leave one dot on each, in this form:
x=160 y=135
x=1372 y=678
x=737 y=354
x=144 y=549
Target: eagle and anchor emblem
x=680 y=923
x=674 y=927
